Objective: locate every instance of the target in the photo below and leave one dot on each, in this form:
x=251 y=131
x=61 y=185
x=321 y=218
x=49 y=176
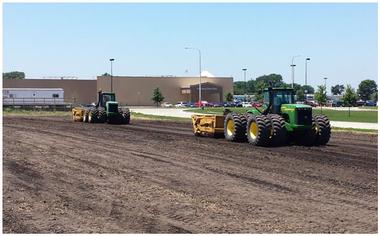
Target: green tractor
x=106 y=110
x=279 y=122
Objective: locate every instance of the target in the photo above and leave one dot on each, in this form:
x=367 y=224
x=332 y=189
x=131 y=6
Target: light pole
x=245 y=80
x=111 y=60
x=200 y=72
x=293 y=65
x=325 y=83
x=307 y=59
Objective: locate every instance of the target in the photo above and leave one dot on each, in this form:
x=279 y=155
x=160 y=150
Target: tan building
x=134 y=90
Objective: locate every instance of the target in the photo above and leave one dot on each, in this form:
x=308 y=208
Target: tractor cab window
x=107 y=98
x=283 y=97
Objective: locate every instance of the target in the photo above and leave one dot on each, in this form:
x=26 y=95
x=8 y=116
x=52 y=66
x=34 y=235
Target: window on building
x=55 y=95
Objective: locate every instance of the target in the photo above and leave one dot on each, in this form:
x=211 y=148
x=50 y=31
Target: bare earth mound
x=156 y=177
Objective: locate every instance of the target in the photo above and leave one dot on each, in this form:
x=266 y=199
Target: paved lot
x=175 y=112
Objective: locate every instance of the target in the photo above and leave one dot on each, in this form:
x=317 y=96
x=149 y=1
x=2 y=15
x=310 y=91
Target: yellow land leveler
x=208 y=125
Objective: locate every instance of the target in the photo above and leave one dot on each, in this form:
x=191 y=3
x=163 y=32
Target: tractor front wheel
x=126 y=117
x=278 y=131
x=93 y=116
x=322 y=129
x=102 y=116
x=258 y=130
x=234 y=127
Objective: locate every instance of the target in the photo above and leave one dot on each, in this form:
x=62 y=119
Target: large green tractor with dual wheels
x=107 y=109
x=280 y=121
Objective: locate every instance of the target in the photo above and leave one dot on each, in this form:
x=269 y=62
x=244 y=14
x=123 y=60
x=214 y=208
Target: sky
x=71 y=39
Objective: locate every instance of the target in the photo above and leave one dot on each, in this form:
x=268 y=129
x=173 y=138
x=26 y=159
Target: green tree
x=251 y=86
x=239 y=87
x=106 y=74
x=374 y=96
x=157 y=96
x=320 y=96
x=229 y=97
x=308 y=88
x=275 y=79
x=349 y=97
x=366 y=89
x=14 y=75
x=300 y=95
x=337 y=89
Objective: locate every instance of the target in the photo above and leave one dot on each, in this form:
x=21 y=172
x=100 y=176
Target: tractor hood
x=292 y=107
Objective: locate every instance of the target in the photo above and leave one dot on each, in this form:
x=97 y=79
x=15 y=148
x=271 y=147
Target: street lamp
x=307 y=59
x=293 y=65
x=245 y=80
x=111 y=60
x=200 y=73
x=325 y=83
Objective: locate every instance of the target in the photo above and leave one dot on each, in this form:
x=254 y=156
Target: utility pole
x=307 y=59
x=293 y=65
x=111 y=60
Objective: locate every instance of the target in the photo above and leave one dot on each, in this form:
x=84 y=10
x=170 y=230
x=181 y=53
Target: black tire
x=102 y=116
x=235 y=127
x=126 y=117
x=278 y=130
x=258 y=130
x=93 y=116
x=323 y=129
x=85 y=117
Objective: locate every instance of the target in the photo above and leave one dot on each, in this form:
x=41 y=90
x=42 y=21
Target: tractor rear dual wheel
x=235 y=127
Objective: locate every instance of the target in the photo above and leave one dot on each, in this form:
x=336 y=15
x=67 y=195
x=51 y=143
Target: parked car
x=238 y=104
x=311 y=103
x=246 y=104
x=203 y=104
x=228 y=104
x=370 y=103
x=189 y=104
x=166 y=104
x=360 y=103
x=180 y=104
x=256 y=104
x=218 y=104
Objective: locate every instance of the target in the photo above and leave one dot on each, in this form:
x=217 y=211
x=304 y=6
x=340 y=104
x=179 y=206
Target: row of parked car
x=212 y=104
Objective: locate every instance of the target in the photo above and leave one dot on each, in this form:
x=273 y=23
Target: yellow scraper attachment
x=208 y=125
x=77 y=113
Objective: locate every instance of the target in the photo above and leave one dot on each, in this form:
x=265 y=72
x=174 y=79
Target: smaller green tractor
x=106 y=110
x=280 y=121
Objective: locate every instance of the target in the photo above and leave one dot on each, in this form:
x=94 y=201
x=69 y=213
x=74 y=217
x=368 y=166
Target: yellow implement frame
x=78 y=113
x=208 y=125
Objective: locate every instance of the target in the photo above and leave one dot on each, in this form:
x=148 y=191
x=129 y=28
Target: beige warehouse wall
x=138 y=90
x=81 y=91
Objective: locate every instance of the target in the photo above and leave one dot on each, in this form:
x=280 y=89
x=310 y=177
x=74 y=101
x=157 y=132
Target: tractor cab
x=281 y=101
x=108 y=102
x=275 y=97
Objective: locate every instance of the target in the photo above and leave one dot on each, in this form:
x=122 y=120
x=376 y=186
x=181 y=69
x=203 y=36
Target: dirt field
x=156 y=177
